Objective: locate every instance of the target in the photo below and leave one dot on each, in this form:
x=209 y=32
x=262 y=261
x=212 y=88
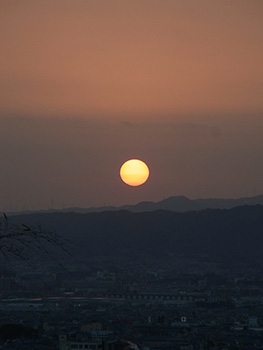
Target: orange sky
x=138 y=57
x=86 y=85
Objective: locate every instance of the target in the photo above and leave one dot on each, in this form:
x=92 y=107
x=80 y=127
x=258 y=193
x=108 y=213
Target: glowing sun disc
x=134 y=172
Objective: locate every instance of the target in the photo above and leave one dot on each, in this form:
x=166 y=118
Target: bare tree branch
x=18 y=240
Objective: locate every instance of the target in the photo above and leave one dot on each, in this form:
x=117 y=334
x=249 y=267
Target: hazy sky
x=86 y=85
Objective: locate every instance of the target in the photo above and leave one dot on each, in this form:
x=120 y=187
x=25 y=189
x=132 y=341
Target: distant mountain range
x=222 y=234
x=184 y=204
x=178 y=203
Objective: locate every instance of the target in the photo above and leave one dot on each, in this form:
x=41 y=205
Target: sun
x=134 y=172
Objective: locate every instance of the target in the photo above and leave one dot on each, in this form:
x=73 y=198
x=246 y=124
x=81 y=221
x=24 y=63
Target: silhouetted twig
x=18 y=240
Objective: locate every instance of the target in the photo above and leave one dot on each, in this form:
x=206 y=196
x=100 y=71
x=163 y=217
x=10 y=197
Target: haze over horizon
x=87 y=85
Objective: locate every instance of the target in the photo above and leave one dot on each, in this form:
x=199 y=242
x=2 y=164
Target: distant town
x=120 y=299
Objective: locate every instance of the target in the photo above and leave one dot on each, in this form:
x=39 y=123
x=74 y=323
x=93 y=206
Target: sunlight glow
x=134 y=172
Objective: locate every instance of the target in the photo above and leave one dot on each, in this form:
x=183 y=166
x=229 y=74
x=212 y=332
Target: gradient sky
x=86 y=85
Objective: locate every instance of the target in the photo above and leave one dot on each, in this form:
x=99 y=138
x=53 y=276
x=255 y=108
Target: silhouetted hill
x=184 y=204
x=221 y=234
x=176 y=203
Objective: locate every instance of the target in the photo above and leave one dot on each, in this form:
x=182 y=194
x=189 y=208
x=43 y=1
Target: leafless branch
x=18 y=240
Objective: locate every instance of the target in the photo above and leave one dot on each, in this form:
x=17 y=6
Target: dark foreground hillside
x=233 y=234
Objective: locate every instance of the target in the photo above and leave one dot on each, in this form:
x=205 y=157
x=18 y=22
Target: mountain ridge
x=221 y=234
x=179 y=204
